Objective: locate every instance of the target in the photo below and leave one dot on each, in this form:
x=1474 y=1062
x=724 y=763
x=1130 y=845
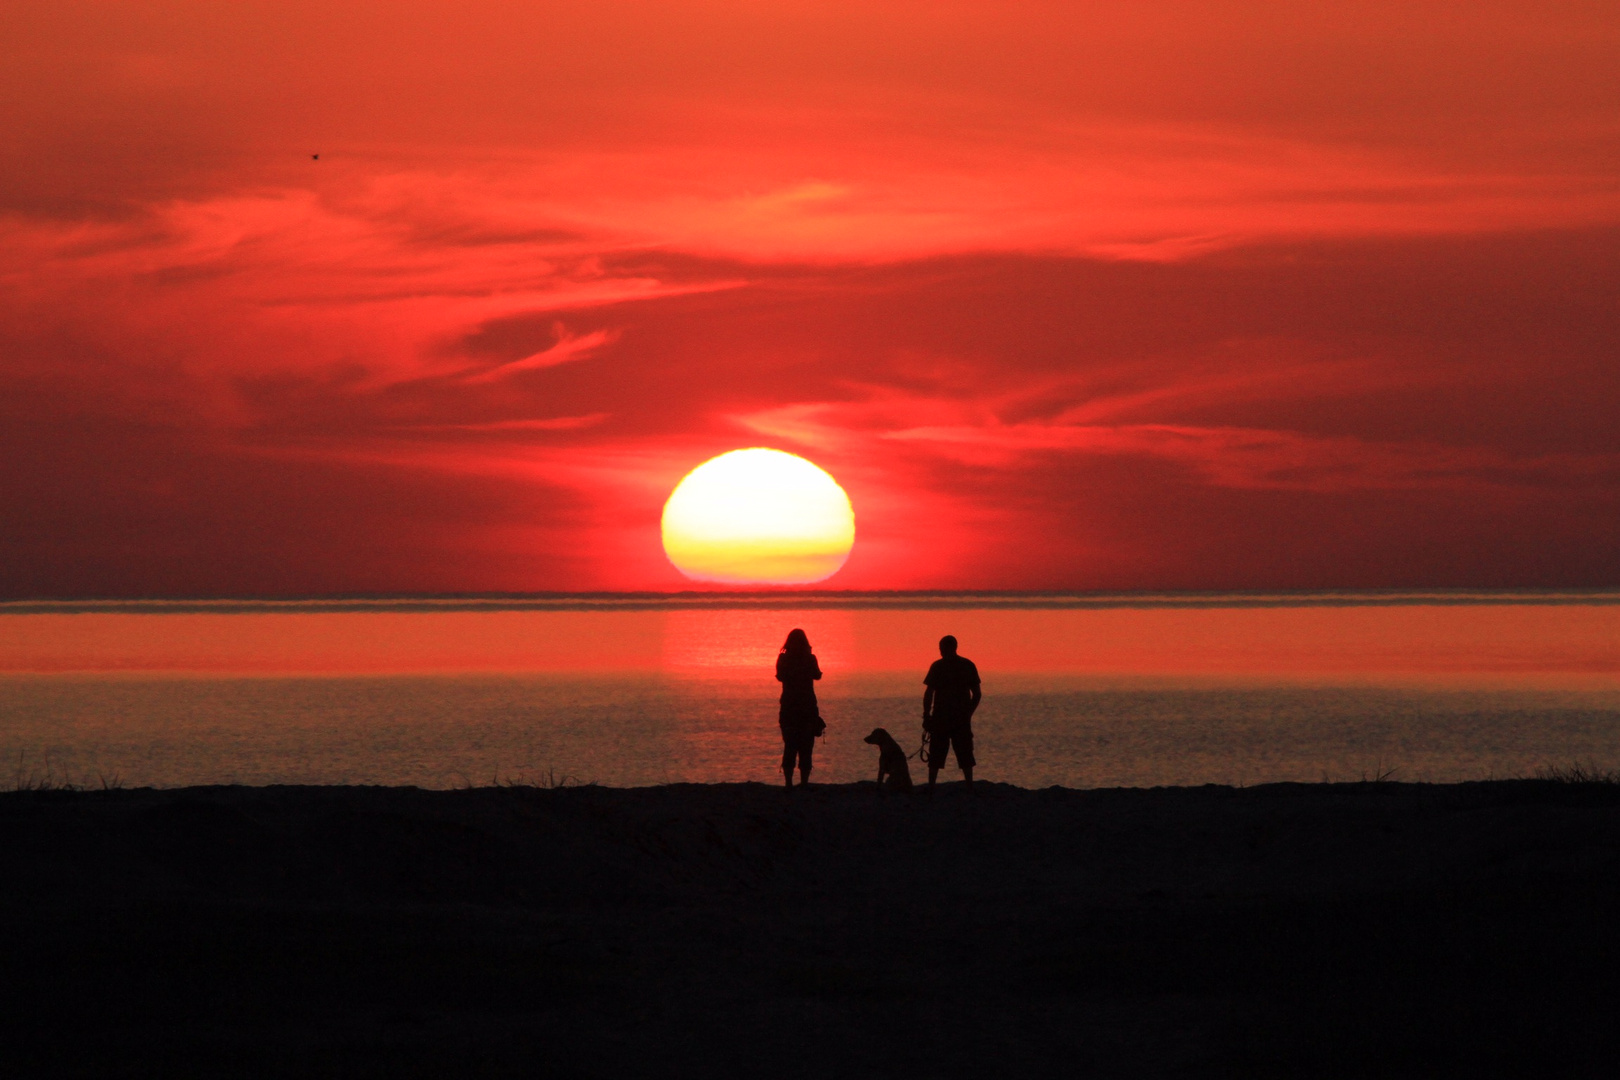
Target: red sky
x=1183 y=295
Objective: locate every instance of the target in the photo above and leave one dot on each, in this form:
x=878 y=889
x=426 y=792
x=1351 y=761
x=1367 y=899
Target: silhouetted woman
x=797 y=671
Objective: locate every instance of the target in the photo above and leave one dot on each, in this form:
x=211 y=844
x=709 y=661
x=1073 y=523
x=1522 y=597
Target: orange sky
x=1186 y=295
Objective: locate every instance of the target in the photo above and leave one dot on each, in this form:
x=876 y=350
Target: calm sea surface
x=1082 y=691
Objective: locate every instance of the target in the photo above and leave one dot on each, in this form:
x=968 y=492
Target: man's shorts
x=959 y=735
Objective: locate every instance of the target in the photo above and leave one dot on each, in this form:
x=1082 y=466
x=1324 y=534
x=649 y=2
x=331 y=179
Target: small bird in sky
x=314 y=157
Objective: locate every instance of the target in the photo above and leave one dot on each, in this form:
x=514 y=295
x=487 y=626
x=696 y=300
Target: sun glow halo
x=760 y=517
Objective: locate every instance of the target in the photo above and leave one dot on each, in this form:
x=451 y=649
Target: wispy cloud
x=568 y=347
x=550 y=423
x=1283 y=460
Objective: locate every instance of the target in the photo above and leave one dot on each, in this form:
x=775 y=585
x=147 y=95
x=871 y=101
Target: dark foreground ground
x=1293 y=930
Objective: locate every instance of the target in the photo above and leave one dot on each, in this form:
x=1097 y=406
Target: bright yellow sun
x=759 y=517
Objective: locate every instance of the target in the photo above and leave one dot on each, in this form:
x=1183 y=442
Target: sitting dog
x=891 y=761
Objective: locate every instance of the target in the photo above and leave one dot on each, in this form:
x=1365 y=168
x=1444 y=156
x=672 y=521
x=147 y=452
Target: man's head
x=947 y=645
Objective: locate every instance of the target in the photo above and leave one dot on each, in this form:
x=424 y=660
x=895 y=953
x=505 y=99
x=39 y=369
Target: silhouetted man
x=948 y=703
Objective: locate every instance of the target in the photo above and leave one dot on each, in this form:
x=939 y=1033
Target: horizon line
x=900 y=599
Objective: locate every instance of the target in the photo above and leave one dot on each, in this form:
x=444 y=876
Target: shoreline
x=1364 y=928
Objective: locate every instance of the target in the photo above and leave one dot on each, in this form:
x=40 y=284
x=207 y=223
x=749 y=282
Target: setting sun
x=761 y=517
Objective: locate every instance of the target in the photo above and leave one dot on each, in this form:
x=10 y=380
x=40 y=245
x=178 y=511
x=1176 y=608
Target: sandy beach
x=1286 y=930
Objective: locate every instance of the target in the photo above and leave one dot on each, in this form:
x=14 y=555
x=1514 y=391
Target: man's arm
x=973 y=699
x=928 y=703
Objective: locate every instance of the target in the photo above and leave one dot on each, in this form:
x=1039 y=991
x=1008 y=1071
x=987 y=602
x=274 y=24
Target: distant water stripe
x=899 y=601
x=1497 y=633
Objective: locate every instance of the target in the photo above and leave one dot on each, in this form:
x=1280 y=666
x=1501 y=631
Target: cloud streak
x=569 y=347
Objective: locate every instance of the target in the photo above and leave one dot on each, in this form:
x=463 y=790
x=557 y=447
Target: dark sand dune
x=737 y=930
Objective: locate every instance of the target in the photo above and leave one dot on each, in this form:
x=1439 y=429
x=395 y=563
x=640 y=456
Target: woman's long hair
x=797 y=644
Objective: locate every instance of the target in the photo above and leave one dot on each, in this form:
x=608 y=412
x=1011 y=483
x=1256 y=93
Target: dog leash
x=922 y=751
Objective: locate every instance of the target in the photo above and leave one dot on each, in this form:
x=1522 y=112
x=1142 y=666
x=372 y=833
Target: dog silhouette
x=891 y=761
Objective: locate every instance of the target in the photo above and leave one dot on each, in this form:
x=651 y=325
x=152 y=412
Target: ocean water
x=1080 y=691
